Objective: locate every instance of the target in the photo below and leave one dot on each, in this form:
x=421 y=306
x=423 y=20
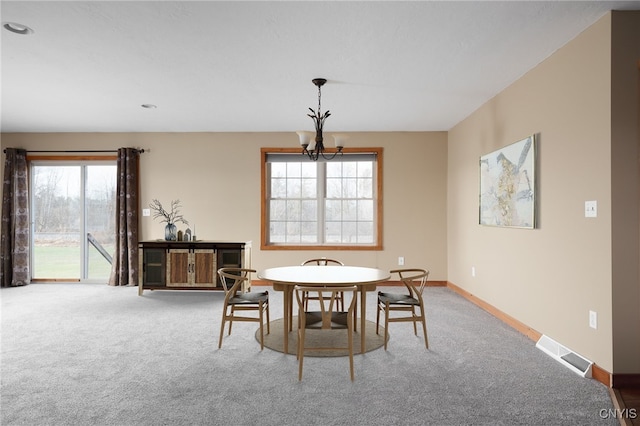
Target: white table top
x=329 y=275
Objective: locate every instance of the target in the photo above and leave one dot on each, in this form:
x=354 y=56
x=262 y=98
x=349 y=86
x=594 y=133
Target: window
x=330 y=204
x=73 y=219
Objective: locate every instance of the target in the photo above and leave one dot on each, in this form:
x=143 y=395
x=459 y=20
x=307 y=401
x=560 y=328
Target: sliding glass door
x=73 y=220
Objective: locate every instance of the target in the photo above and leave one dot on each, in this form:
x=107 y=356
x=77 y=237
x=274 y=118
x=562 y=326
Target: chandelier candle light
x=314 y=151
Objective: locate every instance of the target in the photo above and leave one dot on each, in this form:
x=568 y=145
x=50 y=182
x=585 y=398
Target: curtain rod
x=141 y=151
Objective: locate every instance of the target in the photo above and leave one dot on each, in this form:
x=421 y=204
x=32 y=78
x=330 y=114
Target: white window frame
x=286 y=154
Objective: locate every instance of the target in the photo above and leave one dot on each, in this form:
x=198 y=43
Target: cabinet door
x=230 y=258
x=204 y=268
x=178 y=267
x=153 y=267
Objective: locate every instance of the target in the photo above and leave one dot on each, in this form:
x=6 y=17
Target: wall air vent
x=565 y=356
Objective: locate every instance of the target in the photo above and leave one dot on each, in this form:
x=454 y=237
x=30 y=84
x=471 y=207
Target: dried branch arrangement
x=172 y=216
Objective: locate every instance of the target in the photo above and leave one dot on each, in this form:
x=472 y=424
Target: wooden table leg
x=290 y=308
x=363 y=319
x=286 y=295
x=287 y=320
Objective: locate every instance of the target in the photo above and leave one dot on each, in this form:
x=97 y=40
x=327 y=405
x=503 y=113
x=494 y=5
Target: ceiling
x=247 y=66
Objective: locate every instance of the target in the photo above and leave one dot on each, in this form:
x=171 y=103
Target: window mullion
x=84 y=249
x=322 y=197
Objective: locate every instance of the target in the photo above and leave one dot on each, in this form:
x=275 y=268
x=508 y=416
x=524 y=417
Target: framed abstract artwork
x=508 y=185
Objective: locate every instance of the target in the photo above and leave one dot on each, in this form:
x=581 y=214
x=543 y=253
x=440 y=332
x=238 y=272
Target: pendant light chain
x=319 y=98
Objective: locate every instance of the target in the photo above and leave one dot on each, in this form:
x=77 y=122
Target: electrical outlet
x=401 y=260
x=146 y=212
x=593 y=319
x=473 y=271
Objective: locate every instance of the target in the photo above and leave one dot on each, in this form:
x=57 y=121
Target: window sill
x=370 y=247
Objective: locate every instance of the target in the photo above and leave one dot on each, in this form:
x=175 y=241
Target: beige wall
x=217 y=178
x=551 y=277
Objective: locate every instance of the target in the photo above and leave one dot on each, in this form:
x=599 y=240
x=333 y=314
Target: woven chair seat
x=397 y=299
x=338 y=320
x=249 y=298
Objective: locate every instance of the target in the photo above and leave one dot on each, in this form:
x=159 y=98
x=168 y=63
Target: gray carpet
x=80 y=354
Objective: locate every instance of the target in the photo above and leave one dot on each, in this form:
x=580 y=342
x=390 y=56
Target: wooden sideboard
x=189 y=265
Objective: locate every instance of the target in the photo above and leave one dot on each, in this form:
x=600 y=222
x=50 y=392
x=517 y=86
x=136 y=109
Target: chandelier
x=316 y=150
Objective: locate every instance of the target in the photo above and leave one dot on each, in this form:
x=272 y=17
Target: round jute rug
x=274 y=340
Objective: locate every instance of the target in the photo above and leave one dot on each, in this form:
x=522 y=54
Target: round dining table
x=285 y=278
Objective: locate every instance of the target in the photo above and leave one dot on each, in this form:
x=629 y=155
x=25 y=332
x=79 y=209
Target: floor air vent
x=570 y=359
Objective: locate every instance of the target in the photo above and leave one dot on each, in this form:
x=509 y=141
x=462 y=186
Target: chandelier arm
x=313 y=154
x=333 y=156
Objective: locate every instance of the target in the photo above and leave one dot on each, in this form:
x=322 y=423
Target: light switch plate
x=590 y=209
x=146 y=212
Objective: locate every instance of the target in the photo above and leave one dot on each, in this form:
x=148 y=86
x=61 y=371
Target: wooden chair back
x=324 y=319
x=322 y=261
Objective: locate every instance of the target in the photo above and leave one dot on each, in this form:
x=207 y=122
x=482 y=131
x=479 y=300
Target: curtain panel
x=14 y=248
x=124 y=269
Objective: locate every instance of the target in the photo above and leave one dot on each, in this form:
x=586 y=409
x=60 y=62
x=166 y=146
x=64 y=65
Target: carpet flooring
x=83 y=354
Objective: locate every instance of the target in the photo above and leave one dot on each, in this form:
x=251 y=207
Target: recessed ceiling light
x=17 y=28
x=149 y=106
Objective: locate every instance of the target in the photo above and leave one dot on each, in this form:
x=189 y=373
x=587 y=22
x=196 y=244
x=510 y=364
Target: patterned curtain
x=124 y=269
x=14 y=247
